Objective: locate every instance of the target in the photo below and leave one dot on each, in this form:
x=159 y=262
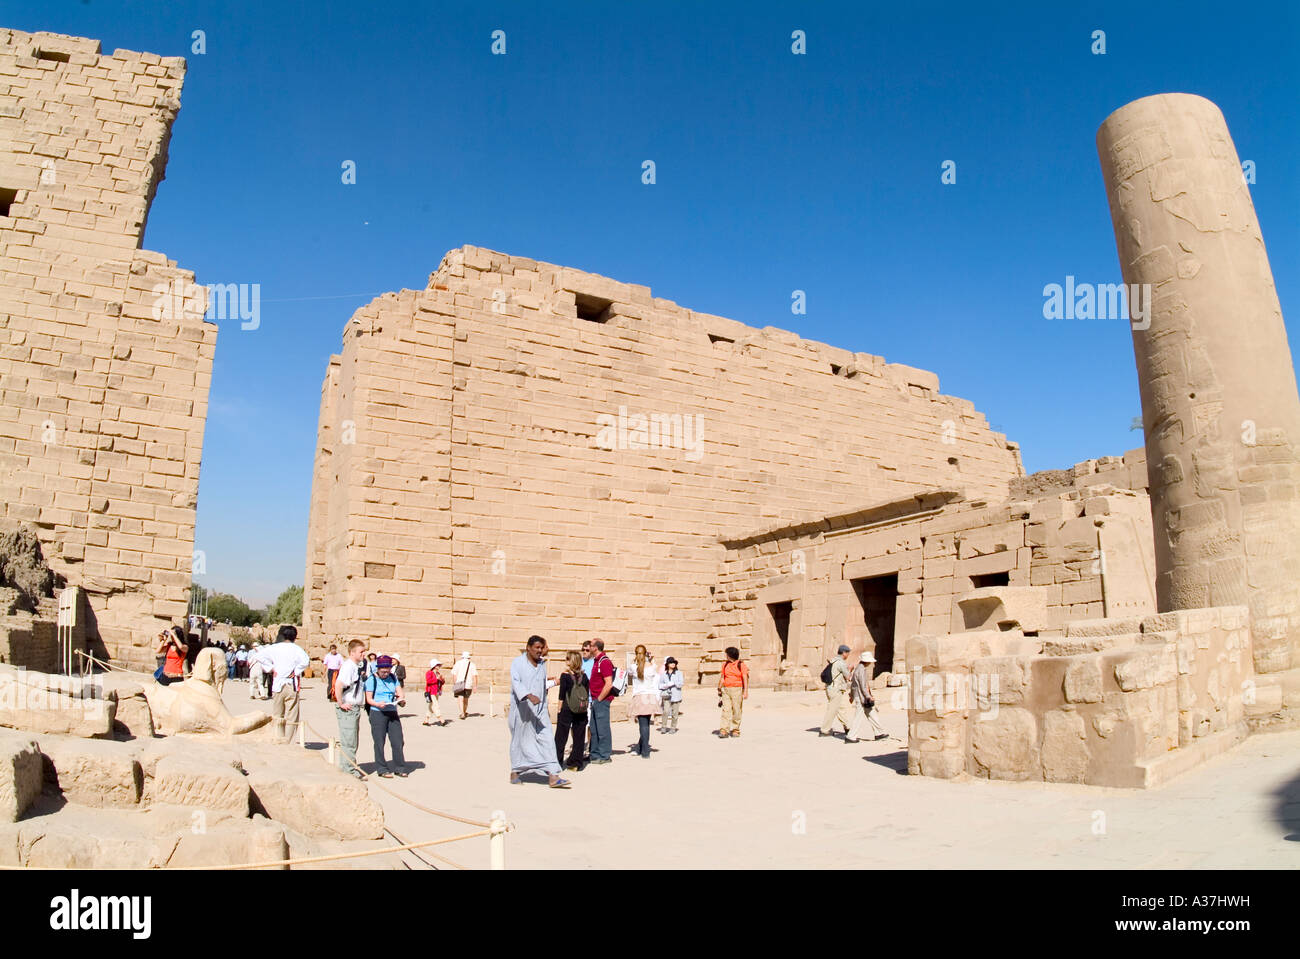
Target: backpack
x=614 y=689
x=363 y=670
x=578 y=696
x=827 y=676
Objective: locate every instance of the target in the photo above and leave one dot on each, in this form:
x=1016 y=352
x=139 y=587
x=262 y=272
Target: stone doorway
x=878 y=598
x=781 y=613
x=778 y=623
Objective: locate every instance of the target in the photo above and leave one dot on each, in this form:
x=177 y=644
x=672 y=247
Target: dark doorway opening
x=781 y=621
x=878 y=596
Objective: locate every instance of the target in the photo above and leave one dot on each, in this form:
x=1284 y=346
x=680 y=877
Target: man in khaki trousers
x=838 y=708
x=285 y=661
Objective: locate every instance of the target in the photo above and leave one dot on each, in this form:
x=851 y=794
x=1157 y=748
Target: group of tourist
x=274 y=670
x=587 y=687
x=848 y=696
x=375 y=683
x=590 y=682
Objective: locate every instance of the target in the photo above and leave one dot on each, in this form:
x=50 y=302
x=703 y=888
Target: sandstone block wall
x=482 y=472
x=102 y=402
x=1113 y=703
x=1081 y=551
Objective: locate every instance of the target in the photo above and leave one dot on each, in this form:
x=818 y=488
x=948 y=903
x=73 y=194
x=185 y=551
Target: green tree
x=287 y=608
x=224 y=606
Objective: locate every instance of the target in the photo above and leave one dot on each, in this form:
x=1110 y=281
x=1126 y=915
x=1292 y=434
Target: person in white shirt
x=671 y=681
x=285 y=661
x=464 y=678
x=255 y=672
x=643 y=676
x=332 y=663
x=349 y=695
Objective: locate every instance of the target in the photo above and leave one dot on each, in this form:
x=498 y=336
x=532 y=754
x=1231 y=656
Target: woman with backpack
x=172 y=651
x=645 y=704
x=733 y=690
x=575 y=695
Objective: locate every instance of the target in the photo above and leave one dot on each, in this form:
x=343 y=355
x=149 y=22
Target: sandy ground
x=781 y=797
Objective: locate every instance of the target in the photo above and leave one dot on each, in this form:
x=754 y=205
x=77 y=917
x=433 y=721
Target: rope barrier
x=98 y=662
x=492 y=829
x=443 y=859
x=396 y=795
x=333 y=857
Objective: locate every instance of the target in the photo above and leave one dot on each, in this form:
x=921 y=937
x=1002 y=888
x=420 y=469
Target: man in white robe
x=532 y=744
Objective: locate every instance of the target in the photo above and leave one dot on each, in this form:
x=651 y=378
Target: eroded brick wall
x=103 y=394
x=477 y=501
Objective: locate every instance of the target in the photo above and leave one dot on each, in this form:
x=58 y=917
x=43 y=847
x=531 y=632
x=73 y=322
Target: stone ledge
x=1158 y=771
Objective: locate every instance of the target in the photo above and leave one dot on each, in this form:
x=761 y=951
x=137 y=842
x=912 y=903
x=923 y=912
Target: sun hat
x=866 y=657
x=384 y=662
x=465 y=655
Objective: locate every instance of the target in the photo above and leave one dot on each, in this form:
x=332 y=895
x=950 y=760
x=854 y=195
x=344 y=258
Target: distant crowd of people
x=365 y=681
x=274 y=671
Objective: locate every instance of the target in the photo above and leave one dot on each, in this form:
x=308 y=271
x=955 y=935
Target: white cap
x=434 y=662
x=465 y=655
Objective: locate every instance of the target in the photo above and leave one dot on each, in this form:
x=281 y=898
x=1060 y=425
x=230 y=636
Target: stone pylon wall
x=103 y=396
x=466 y=490
x=1219 y=400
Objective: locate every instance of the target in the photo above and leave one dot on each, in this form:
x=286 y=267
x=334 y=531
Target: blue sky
x=775 y=172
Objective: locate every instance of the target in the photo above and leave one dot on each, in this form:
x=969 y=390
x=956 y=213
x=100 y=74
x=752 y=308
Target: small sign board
x=68 y=607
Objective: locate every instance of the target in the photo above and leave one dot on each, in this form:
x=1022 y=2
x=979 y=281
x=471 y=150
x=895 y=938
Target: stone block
x=232 y=842
x=312 y=798
x=1005 y=745
x=1003 y=607
x=92 y=772
x=1060 y=646
x=1146 y=667
x=131 y=718
x=195 y=781
x=20 y=774
x=999 y=680
x=41 y=703
x=1109 y=626
x=1065 y=747
x=1083 y=680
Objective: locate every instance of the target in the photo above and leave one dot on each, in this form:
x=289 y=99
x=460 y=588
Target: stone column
x=1219 y=400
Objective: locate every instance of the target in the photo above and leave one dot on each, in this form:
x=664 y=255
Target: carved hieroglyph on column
x=1218 y=388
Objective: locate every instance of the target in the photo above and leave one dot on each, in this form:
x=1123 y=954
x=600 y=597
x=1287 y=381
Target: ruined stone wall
x=480 y=499
x=1116 y=702
x=103 y=396
x=1081 y=551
